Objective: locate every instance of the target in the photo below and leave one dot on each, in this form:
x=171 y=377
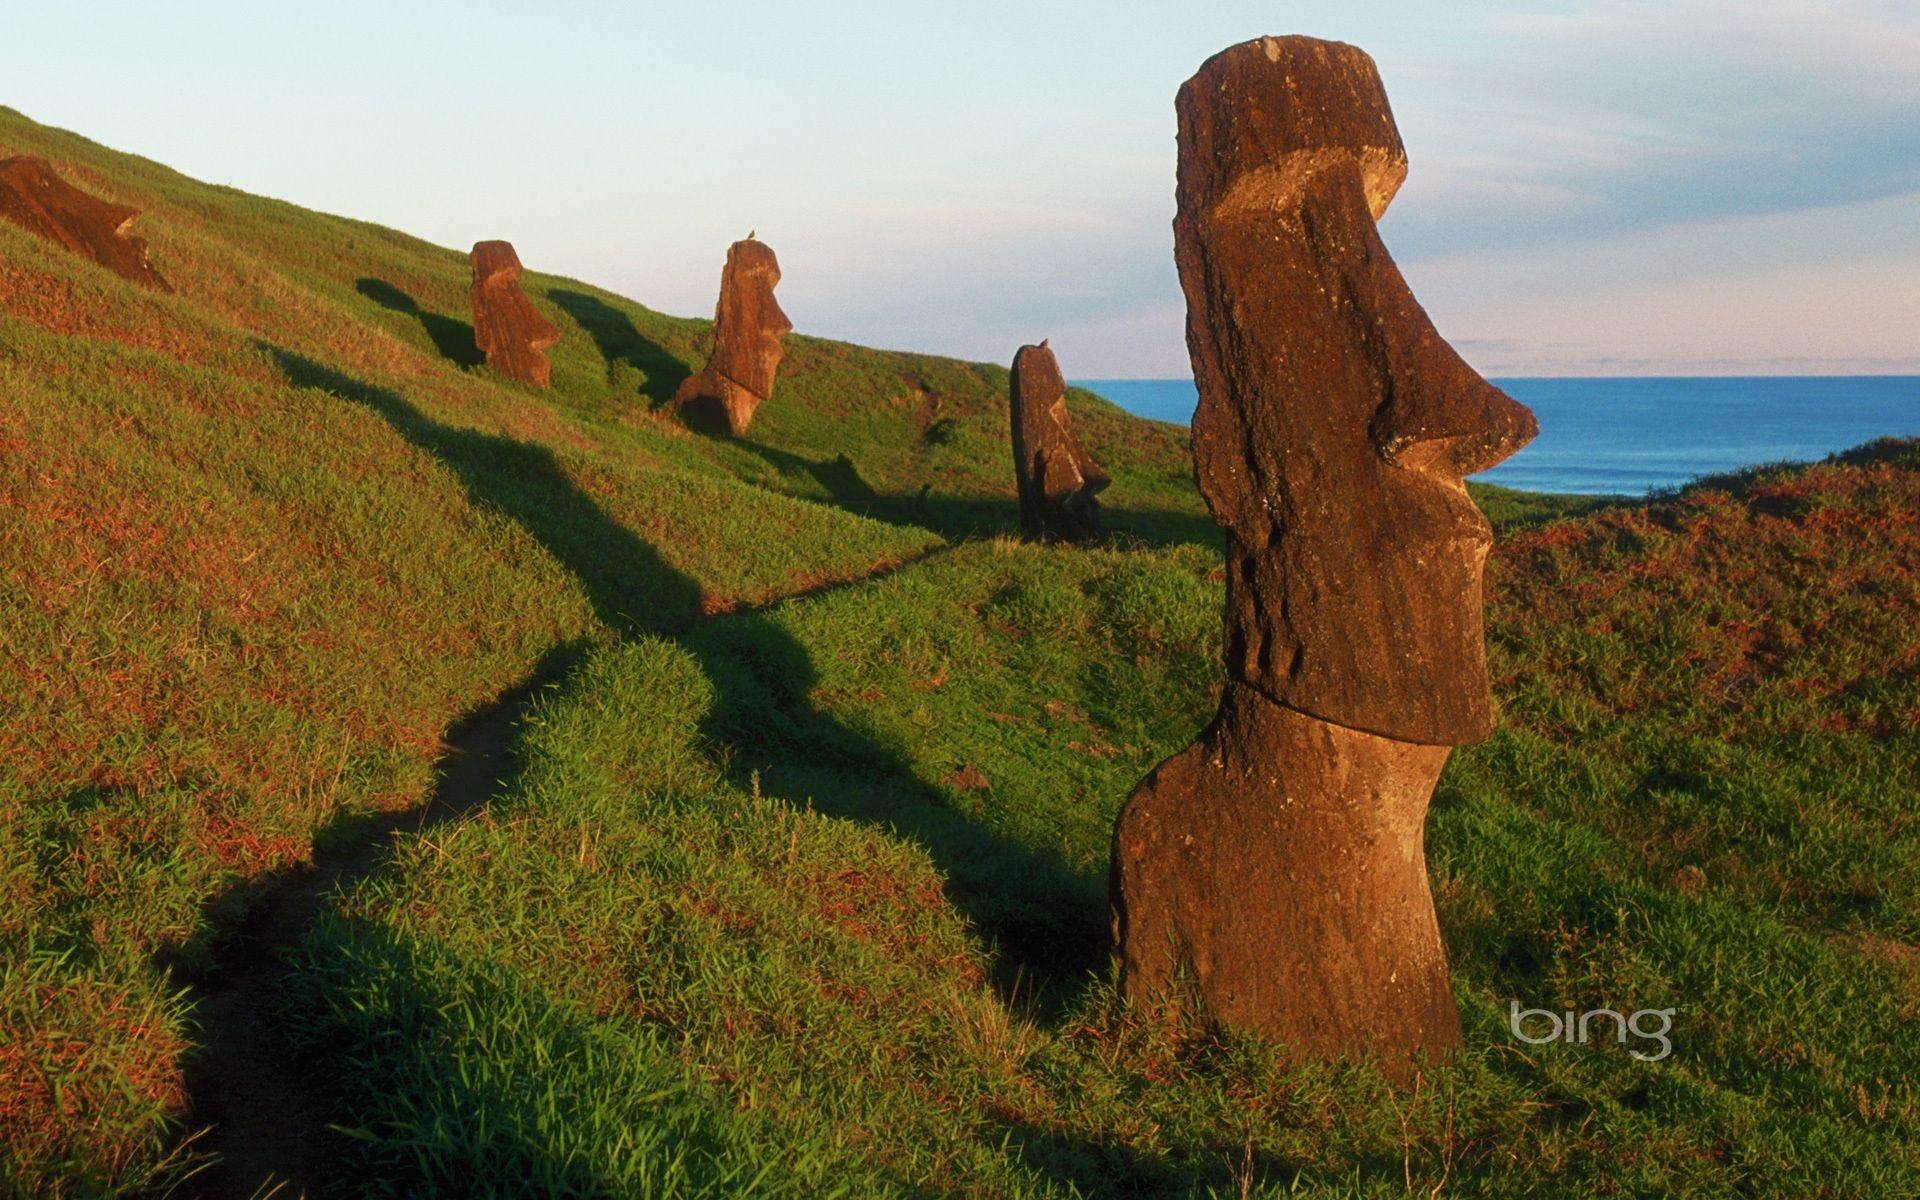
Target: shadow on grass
x=571 y=1105
x=451 y=1113
x=839 y=478
x=1162 y=527
x=838 y=481
x=619 y=342
x=452 y=338
x=1047 y=920
x=268 y=1119
x=631 y=587
x=1098 y=1167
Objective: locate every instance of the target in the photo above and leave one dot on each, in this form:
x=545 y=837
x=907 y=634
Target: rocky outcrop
x=34 y=196
x=1274 y=873
x=748 y=328
x=507 y=328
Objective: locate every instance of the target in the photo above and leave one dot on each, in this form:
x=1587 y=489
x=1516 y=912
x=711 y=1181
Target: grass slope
x=807 y=897
x=835 y=898
x=266 y=538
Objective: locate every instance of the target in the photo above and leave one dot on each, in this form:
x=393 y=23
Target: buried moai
x=1274 y=872
x=747 y=330
x=507 y=328
x=1057 y=479
x=33 y=196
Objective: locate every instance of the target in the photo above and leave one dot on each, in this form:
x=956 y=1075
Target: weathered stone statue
x=1275 y=871
x=747 y=328
x=32 y=195
x=1057 y=478
x=507 y=328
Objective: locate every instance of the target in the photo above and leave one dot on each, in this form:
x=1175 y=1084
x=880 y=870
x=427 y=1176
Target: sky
x=1637 y=187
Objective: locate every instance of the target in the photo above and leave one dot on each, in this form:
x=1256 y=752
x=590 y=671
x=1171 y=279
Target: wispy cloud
x=1826 y=291
x=1593 y=181
x=1859 y=48
x=1594 y=119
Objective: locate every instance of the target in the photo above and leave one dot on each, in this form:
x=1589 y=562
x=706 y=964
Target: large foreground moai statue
x=33 y=196
x=1057 y=478
x=1275 y=871
x=747 y=329
x=507 y=328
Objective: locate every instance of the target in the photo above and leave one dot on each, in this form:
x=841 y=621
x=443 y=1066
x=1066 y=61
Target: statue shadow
x=618 y=341
x=844 y=487
x=270 y=1121
x=1163 y=527
x=1092 y=1166
x=838 y=477
x=1046 y=920
x=418 y=990
x=631 y=588
x=452 y=338
x=706 y=416
x=959 y=517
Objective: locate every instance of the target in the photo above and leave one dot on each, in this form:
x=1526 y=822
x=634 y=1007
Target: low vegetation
x=797 y=883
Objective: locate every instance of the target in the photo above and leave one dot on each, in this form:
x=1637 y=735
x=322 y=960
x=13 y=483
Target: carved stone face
x=34 y=196
x=1335 y=424
x=749 y=324
x=507 y=328
x=1057 y=479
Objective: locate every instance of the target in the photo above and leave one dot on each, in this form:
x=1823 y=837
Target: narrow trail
x=265 y=1118
x=827 y=587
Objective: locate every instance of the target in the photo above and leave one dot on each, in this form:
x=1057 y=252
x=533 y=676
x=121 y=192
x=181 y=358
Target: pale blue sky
x=1625 y=187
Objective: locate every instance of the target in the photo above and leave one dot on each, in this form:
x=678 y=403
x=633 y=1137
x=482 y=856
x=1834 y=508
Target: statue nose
x=1439 y=415
x=1443 y=418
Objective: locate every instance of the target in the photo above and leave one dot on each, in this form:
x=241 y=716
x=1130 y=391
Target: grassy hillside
x=795 y=884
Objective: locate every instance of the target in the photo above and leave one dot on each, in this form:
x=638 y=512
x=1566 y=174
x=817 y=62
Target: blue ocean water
x=1631 y=436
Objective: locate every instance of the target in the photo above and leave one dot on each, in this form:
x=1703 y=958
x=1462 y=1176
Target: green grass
x=799 y=885
x=850 y=865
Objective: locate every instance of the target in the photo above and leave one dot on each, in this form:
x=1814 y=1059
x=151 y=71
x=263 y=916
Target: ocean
x=1632 y=436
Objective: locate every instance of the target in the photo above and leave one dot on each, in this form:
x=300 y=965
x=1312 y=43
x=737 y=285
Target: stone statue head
x=34 y=196
x=507 y=328
x=748 y=324
x=1056 y=478
x=1335 y=425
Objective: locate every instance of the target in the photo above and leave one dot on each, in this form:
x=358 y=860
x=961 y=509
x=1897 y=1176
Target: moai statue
x=34 y=197
x=1275 y=871
x=1058 y=480
x=507 y=328
x=747 y=329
